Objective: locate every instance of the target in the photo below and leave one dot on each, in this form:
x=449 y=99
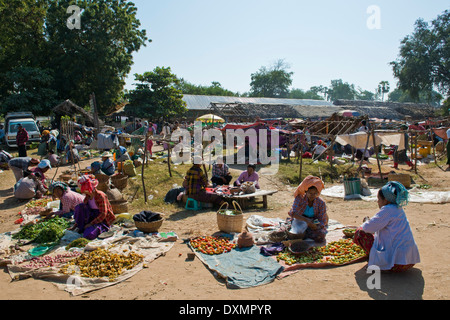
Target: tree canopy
x=423 y=64
x=66 y=63
x=272 y=82
x=156 y=95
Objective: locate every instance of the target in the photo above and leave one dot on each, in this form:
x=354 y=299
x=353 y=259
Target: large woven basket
x=65 y=177
x=230 y=223
x=119 y=206
x=120 y=181
x=148 y=227
x=102 y=178
x=403 y=178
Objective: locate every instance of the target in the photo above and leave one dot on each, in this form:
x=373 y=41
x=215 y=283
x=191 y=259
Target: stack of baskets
x=103 y=182
x=230 y=220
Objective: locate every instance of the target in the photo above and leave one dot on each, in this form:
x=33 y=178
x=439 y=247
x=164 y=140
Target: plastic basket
x=352 y=186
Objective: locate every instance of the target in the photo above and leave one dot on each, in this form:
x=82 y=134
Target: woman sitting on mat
x=69 y=199
x=310 y=208
x=95 y=215
x=387 y=237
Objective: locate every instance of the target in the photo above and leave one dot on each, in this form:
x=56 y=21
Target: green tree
x=383 y=88
x=29 y=91
x=156 y=95
x=24 y=83
x=423 y=63
x=273 y=82
x=96 y=58
x=341 y=90
x=302 y=94
x=35 y=40
x=365 y=95
x=215 y=89
x=398 y=95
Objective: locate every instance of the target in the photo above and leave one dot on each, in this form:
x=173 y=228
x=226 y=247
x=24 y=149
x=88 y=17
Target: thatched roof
x=70 y=108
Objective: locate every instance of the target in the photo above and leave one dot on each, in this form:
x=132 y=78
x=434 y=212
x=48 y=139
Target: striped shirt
x=219 y=171
x=70 y=200
x=195 y=181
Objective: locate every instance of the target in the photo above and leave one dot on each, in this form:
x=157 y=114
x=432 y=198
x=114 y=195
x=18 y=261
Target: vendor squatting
x=227 y=310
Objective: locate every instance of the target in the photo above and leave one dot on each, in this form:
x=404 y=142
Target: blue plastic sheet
x=243 y=268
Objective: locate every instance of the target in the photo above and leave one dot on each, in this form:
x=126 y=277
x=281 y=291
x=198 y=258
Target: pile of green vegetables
x=78 y=243
x=46 y=231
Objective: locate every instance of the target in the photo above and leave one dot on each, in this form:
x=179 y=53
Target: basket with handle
x=403 y=178
x=230 y=220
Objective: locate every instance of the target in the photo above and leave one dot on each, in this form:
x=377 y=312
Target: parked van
x=27 y=120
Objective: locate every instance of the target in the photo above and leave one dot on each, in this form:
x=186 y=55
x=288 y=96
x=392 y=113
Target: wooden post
x=143 y=165
x=415 y=157
x=301 y=165
x=378 y=159
x=362 y=158
x=168 y=158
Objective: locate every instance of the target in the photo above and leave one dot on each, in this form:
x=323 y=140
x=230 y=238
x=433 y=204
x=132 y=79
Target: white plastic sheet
x=416 y=195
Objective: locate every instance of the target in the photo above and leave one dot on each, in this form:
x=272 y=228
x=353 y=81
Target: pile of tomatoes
x=212 y=245
x=337 y=253
x=342 y=251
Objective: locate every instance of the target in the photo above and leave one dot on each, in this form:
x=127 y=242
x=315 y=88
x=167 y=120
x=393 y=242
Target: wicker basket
x=102 y=178
x=403 y=178
x=120 y=181
x=148 y=227
x=46 y=212
x=299 y=246
x=230 y=223
x=65 y=177
x=120 y=206
x=295 y=236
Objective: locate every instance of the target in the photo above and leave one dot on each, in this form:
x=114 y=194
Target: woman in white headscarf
x=387 y=237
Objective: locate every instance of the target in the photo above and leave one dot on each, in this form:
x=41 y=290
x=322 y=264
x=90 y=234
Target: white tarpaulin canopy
x=359 y=140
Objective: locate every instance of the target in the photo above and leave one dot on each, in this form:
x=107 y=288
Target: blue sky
x=226 y=41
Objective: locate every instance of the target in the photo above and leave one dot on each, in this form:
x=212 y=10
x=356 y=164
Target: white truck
x=27 y=120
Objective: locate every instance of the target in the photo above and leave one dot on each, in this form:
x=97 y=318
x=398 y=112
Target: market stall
x=46 y=249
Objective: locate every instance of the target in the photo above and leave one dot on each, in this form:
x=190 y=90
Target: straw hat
x=106 y=154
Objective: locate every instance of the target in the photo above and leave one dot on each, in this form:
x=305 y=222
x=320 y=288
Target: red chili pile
x=212 y=245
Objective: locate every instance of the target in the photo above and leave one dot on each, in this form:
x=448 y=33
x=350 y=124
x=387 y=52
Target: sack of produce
x=129 y=169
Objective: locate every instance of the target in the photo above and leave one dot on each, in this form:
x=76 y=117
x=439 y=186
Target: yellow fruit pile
x=336 y=253
x=102 y=263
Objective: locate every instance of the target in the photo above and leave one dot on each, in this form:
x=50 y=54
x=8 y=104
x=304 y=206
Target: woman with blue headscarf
x=387 y=237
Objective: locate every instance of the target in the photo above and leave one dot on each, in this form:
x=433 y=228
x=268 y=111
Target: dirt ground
x=173 y=277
